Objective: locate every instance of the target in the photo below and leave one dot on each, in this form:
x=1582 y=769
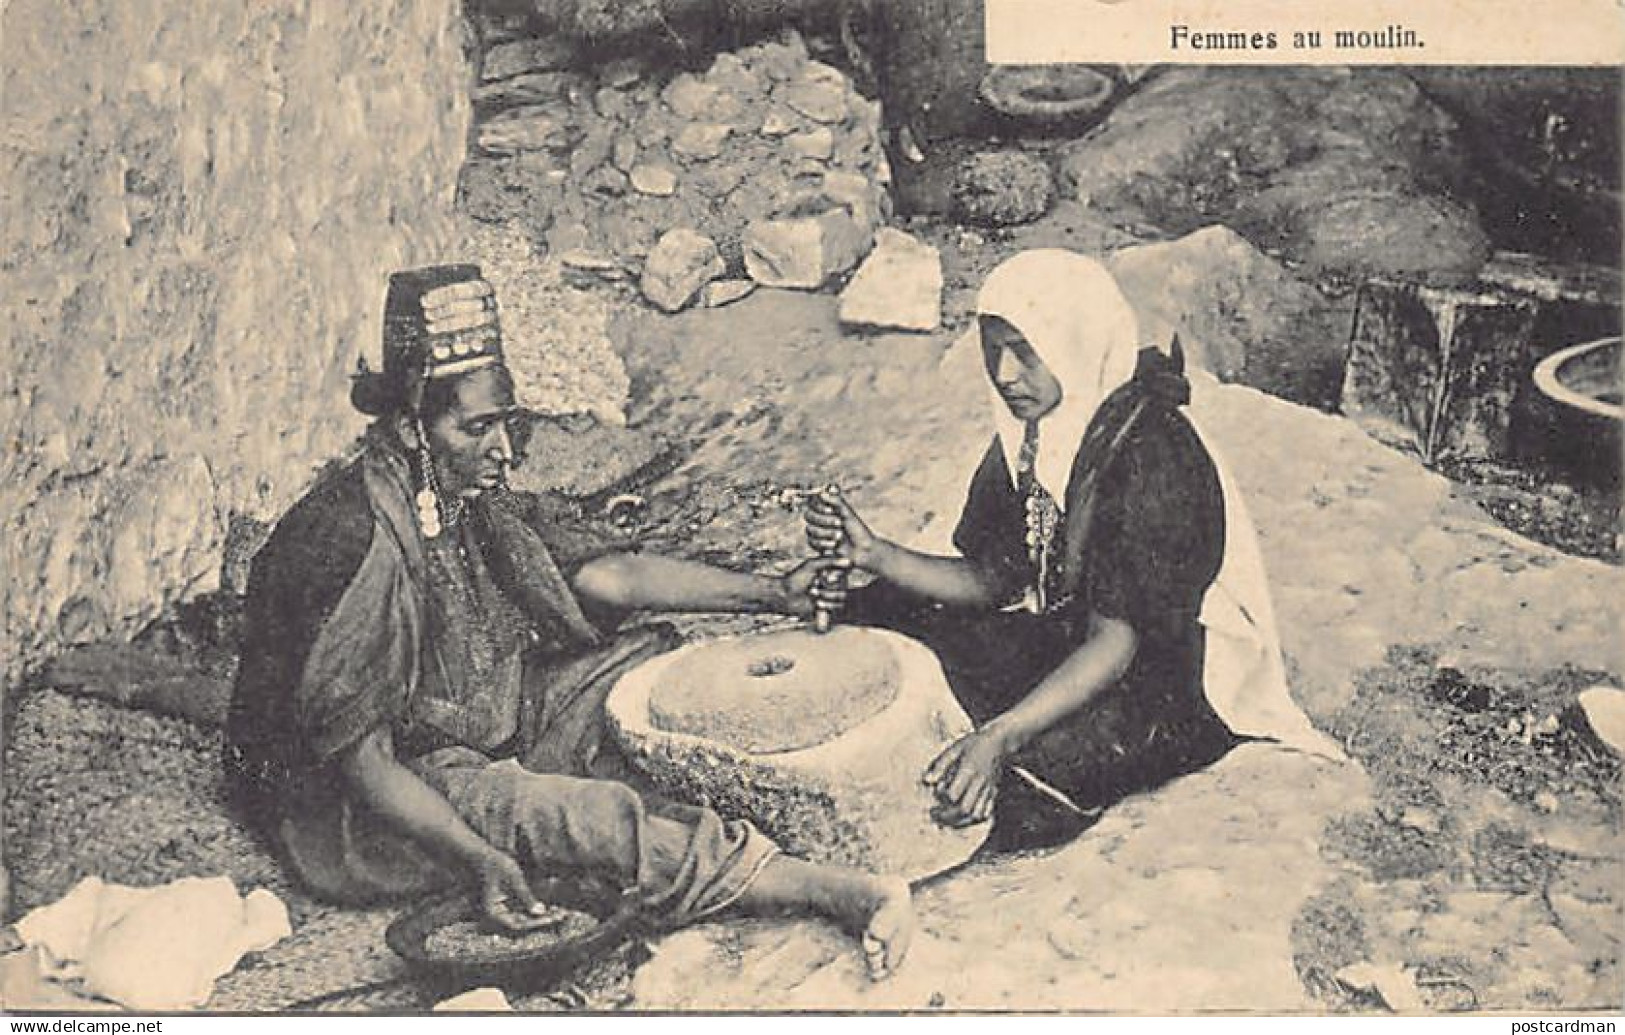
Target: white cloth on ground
x=158 y=948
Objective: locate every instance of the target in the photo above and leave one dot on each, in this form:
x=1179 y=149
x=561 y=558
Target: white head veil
x=1071 y=311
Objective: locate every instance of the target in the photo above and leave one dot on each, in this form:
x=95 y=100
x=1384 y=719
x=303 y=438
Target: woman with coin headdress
x=420 y=699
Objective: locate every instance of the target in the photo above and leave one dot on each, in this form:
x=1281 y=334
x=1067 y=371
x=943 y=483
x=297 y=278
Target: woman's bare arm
x=650 y=582
x=966 y=774
x=948 y=580
x=1101 y=661
x=638 y=581
x=414 y=808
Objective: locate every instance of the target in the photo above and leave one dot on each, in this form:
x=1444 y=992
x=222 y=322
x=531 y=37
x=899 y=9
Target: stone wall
x=202 y=201
x=765 y=163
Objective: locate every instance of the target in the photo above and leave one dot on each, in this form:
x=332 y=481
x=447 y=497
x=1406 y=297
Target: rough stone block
x=1241 y=315
x=1439 y=366
x=898 y=286
x=817 y=144
x=855 y=191
x=611 y=103
x=530 y=55
x=856 y=798
x=681 y=263
x=594 y=148
x=657 y=181
x=736 y=82
x=1604 y=708
x=820 y=101
x=690 y=98
x=624 y=154
x=700 y=141
x=860 y=151
x=719 y=293
x=587 y=259
x=781 y=60
x=530 y=128
x=803 y=253
x=730 y=69
x=530 y=88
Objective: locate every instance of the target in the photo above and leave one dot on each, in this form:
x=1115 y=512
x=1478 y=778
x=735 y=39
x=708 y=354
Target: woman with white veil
x=1107 y=623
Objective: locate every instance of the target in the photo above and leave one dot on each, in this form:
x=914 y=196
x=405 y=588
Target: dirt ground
x=1478 y=873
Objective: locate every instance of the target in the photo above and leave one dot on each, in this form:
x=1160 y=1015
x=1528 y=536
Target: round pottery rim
x=1547 y=381
x=1004 y=89
x=409 y=933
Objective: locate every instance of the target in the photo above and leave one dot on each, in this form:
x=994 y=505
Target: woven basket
x=518 y=971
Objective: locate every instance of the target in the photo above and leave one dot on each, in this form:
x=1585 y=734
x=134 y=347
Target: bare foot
x=878 y=910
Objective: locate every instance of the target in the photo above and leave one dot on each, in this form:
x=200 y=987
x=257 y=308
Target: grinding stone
x=779 y=691
x=855 y=796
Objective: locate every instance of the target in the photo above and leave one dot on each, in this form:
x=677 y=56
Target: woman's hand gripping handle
x=831 y=583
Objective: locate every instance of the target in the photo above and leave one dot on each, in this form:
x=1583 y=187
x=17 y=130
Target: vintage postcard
x=855 y=506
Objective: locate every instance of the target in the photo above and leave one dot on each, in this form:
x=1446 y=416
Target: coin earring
x=428 y=497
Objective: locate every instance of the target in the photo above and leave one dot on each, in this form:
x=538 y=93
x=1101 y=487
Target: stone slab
x=803 y=253
x=899 y=286
x=1441 y=367
x=681 y=263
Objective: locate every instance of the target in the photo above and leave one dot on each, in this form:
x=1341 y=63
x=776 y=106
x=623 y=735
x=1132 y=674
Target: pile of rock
x=1001 y=188
x=767 y=165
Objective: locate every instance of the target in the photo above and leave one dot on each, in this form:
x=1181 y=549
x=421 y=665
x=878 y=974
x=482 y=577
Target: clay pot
x=1048 y=98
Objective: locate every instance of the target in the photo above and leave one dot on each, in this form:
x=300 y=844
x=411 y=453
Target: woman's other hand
x=504 y=892
x=966 y=778
x=833 y=527
x=812 y=585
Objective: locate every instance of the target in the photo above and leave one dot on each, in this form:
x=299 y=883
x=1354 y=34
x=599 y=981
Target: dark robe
x=1143 y=540
x=489 y=674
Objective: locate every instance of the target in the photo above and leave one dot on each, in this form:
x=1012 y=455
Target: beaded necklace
x=1043 y=517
